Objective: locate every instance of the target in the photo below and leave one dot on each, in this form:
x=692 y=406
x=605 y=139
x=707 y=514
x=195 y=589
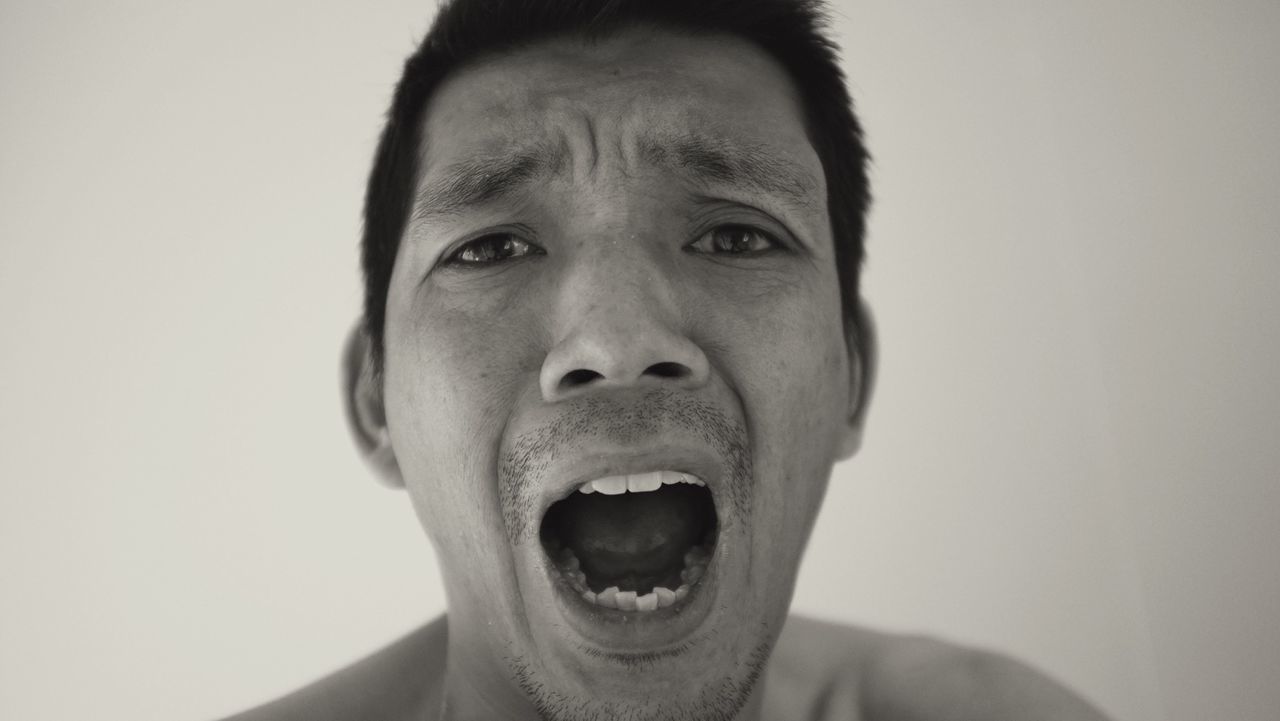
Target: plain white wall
x=1072 y=455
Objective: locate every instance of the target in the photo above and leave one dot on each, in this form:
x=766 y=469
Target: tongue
x=631 y=534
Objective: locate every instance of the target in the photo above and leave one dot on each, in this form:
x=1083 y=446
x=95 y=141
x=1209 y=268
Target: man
x=612 y=346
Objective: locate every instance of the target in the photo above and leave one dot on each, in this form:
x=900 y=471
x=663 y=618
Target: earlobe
x=366 y=414
x=860 y=335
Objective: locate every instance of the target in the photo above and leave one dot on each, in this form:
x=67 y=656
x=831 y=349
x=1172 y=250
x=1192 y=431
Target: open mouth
x=637 y=543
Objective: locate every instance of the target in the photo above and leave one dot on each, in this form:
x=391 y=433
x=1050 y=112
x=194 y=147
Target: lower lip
x=617 y=632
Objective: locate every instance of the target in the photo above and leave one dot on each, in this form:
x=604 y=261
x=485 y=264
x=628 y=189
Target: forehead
x=631 y=94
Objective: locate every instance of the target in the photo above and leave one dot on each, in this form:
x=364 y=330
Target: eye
x=492 y=248
x=735 y=240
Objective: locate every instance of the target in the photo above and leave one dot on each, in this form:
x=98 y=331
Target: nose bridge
x=614 y=284
x=620 y=308
x=618 y=323
x=618 y=266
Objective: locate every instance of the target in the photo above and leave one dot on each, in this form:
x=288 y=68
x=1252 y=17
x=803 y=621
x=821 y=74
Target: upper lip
x=588 y=466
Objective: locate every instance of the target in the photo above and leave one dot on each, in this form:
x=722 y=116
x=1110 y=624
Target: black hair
x=792 y=32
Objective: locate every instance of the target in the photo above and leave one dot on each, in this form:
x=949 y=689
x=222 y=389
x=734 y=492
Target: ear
x=366 y=414
x=860 y=335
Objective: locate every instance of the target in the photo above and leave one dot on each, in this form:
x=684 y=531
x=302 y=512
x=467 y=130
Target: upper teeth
x=638 y=482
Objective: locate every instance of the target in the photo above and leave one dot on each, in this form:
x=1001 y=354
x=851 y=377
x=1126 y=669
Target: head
x=613 y=341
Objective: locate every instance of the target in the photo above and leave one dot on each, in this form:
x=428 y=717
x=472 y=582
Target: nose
x=619 y=332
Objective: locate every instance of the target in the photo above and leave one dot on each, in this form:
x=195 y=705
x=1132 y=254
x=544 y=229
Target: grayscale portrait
x=648 y=360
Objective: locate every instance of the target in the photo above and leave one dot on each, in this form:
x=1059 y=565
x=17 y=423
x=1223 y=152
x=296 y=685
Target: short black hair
x=792 y=32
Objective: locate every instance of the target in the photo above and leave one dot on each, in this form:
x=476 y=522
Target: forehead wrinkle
x=705 y=158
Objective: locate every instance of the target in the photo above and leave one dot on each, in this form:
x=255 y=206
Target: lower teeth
x=695 y=565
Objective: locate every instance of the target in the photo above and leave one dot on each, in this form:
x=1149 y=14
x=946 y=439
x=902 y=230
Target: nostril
x=668 y=370
x=579 y=377
x=584 y=378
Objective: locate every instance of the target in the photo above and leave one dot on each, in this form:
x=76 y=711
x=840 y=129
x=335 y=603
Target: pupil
x=495 y=248
x=735 y=240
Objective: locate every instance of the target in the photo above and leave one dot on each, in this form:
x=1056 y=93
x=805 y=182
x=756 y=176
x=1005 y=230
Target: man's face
x=619 y=263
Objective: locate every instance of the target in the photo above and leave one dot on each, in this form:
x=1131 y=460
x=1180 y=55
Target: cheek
x=452 y=376
x=784 y=353
x=460 y=364
x=785 y=357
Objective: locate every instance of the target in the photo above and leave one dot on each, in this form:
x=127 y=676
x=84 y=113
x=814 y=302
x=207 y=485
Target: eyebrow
x=709 y=160
x=720 y=161
x=480 y=179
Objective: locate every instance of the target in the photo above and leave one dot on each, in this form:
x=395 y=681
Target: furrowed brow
x=718 y=161
x=480 y=179
x=713 y=161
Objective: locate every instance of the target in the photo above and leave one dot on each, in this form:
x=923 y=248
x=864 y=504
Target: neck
x=462 y=701
x=477 y=687
x=466 y=697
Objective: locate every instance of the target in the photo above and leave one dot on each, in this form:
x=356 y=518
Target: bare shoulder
x=830 y=671
x=387 y=685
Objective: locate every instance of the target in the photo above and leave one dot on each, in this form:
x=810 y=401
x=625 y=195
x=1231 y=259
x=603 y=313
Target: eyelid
x=777 y=241
x=716 y=211
x=518 y=232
